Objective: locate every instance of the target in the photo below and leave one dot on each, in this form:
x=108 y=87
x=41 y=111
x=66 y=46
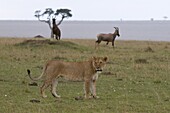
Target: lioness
x=86 y=71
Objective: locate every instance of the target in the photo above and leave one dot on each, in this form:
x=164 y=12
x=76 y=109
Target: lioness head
x=99 y=63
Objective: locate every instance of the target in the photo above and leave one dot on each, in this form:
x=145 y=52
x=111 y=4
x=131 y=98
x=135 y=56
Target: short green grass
x=135 y=80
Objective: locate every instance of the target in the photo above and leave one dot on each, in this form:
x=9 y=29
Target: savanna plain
x=136 y=78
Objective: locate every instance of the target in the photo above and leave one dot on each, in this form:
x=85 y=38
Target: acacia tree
x=47 y=16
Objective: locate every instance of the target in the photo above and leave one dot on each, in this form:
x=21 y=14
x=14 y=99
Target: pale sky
x=88 y=9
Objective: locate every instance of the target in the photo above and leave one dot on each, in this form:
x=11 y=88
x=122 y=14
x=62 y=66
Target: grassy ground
x=135 y=80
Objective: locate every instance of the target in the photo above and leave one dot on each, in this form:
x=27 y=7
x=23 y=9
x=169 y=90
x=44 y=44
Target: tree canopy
x=49 y=13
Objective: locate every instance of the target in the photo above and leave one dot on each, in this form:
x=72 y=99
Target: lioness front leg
x=93 y=89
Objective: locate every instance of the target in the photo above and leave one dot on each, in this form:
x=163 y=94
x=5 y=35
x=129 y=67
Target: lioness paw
x=96 y=97
x=44 y=96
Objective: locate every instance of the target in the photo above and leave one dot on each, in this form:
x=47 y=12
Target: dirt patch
x=35 y=101
x=141 y=61
x=33 y=84
x=2 y=80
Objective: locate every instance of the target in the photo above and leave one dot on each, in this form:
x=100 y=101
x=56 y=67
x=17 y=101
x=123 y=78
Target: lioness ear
x=94 y=58
x=105 y=59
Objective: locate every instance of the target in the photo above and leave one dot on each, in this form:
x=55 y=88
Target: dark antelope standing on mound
x=56 y=30
x=108 y=37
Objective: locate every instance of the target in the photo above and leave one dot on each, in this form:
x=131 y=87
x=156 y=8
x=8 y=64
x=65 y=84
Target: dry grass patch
x=148 y=49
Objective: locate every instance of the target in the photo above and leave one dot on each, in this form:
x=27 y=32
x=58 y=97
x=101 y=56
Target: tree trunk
x=52 y=35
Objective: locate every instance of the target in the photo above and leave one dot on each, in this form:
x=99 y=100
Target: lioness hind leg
x=53 y=88
x=42 y=89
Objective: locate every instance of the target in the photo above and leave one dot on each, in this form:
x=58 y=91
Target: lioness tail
x=34 y=79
